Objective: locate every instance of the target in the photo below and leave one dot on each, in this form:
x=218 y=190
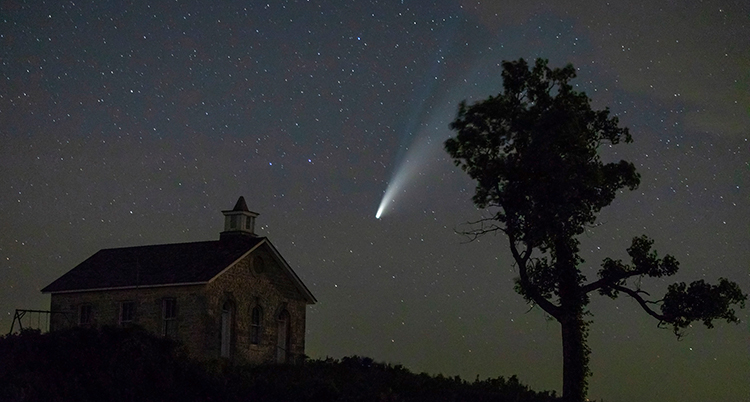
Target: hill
x=115 y=364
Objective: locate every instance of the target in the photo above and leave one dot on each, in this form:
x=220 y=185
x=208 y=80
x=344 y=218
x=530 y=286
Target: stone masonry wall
x=256 y=280
x=105 y=310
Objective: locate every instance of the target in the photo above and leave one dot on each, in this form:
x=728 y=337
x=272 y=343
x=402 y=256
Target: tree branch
x=526 y=284
x=645 y=262
x=612 y=280
x=486 y=225
x=644 y=303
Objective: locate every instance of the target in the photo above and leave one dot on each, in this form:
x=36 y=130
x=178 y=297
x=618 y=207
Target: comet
x=415 y=163
x=428 y=122
x=396 y=185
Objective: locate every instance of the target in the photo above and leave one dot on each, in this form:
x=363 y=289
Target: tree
x=533 y=151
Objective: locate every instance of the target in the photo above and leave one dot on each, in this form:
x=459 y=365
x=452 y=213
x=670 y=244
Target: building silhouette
x=235 y=297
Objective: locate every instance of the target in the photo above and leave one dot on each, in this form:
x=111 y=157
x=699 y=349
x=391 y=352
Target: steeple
x=239 y=221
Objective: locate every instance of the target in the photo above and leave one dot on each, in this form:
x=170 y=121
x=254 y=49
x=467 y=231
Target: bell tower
x=239 y=221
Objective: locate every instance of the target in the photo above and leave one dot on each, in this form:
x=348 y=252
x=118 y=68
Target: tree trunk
x=575 y=359
x=572 y=301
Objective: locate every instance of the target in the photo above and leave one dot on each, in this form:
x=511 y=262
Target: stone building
x=235 y=297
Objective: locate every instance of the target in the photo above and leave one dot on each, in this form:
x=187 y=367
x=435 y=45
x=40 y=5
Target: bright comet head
x=417 y=160
x=390 y=193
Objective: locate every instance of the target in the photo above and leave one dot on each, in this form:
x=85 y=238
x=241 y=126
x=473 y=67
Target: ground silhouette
x=131 y=364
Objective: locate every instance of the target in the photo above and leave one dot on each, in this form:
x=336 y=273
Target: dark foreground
x=112 y=364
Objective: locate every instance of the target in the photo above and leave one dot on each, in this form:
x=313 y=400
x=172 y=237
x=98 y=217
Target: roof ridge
x=153 y=265
x=159 y=245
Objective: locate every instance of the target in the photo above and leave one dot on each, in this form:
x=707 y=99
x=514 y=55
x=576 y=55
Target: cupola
x=239 y=221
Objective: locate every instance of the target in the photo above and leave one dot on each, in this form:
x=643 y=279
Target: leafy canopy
x=533 y=152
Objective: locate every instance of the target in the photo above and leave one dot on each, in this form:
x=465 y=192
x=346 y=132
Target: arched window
x=256 y=325
x=282 y=337
x=227 y=312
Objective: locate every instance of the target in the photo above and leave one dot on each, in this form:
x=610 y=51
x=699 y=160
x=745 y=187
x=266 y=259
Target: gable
x=275 y=269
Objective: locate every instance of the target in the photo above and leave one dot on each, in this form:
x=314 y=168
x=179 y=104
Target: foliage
x=362 y=379
x=109 y=364
x=130 y=364
x=534 y=153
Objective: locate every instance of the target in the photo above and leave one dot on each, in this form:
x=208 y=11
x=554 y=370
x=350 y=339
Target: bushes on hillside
x=108 y=364
x=115 y=364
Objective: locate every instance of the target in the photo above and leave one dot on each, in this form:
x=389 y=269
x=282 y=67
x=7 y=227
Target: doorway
x=282 y=339
x=227 y=312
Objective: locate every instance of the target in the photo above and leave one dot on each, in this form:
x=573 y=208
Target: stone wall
x=105 y=310
x=256 y=280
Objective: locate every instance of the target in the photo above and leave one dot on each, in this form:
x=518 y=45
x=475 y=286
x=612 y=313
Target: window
x=127 y=312
x=259 y=265
x=249 y=223
x=84 y=315
x=227 y=312
x=169 y=317
x=256 y=326
x=233 y=222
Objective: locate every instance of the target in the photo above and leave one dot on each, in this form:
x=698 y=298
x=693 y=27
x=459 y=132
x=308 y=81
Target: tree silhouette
x=533 y=151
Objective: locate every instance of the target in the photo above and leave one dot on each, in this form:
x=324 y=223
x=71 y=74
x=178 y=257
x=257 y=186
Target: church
x=234 y=298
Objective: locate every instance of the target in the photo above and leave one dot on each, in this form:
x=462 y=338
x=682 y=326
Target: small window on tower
x=233 y=222
x=249 y=223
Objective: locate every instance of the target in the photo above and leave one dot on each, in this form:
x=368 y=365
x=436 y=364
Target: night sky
x=124 y=125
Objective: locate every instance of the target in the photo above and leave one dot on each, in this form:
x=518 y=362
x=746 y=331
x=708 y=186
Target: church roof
x=241 y=205
x=163 y=265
